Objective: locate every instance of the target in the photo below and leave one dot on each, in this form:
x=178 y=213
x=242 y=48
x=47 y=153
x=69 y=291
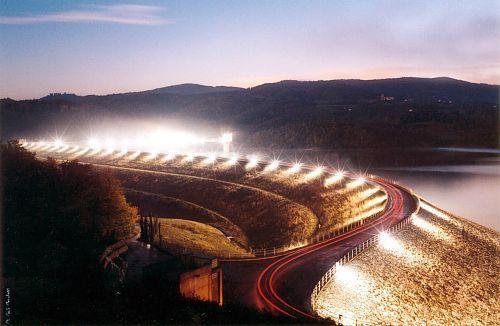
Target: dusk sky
x=101 y=47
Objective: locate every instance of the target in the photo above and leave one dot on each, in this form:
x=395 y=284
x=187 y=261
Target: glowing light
x=272 y=166
x=168 y=157
x=430 y=228
x=124 y=145
x=58 y=143
x=294 y=169
x=152 y=155
x=226 y=138
x=94 y=143
x=233 y=160
x=346 y=275
x=121 y=154
x=367 y=193
x=337 y=177
x=318 y=171
x=189 y=158
x=80 y=153
x=73 y=150
x=63 y=148
x=252 y=162
x=38 y=144
x=359 y=181
x=133 y=156
x=169 y=139
x=367 y=213
x=433 y=211
x=210 y=159
x=389 y=243
x=375 y=201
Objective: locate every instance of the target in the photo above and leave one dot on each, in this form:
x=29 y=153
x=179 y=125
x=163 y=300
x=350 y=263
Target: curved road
x=283 y=285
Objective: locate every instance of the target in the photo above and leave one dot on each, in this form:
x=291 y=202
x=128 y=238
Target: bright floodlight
x=124 y=145
x=134 y=155
x=389 y=243
x=272 y=166
x=58 y=143
x=189 y=158
x=226 y=138
x=314 y=173
x=233 y=160
x=346 y=275
x=294 y=169
x=359 y=181
x=168 y=157
x=334 y=178
x=94 y=143
x=152 y=155
x=252 y=162
x=210 y=159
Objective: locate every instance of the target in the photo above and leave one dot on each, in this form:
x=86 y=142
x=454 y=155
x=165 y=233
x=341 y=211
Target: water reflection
x=471 y=191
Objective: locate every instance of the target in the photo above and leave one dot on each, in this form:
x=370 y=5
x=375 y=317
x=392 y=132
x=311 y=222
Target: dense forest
x=401 y=112
x=57 y=220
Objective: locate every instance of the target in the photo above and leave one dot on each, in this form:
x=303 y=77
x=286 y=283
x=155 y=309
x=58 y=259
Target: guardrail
x=267 y=252
x=113 y=252
x=350 y=255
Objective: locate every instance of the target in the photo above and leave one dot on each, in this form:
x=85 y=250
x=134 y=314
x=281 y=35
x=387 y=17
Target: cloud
x=128 y=14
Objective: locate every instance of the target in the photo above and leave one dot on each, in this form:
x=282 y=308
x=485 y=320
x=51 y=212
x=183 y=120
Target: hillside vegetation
x=255 y=207
x=188 y=237
x=400 y=112
x=57 y=220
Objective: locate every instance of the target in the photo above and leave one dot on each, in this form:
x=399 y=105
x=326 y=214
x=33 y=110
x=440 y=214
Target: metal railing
x=272 y=251
x=350 y=255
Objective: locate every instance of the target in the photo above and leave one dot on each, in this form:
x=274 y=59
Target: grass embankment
x=266 y=218
x=334 y=206
x=439 y=270
x=271 y=208
x=183 y=236
x=159 y=205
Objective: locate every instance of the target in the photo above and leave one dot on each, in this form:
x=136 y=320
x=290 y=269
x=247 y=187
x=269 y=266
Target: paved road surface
x=283 y=285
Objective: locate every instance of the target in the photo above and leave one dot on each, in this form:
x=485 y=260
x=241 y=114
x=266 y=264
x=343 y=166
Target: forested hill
x=326 y=114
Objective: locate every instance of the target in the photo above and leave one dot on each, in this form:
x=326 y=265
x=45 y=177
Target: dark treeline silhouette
x=58 y=218
x=400 y=112
x=57 y=221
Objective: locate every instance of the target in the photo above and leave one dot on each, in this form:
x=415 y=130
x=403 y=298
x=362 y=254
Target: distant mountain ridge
x=361 y=88
x=396 y=112
x=191 y=89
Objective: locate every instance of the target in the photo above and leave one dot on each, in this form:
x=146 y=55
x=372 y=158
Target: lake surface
x=464 y=181
x=471 y=191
